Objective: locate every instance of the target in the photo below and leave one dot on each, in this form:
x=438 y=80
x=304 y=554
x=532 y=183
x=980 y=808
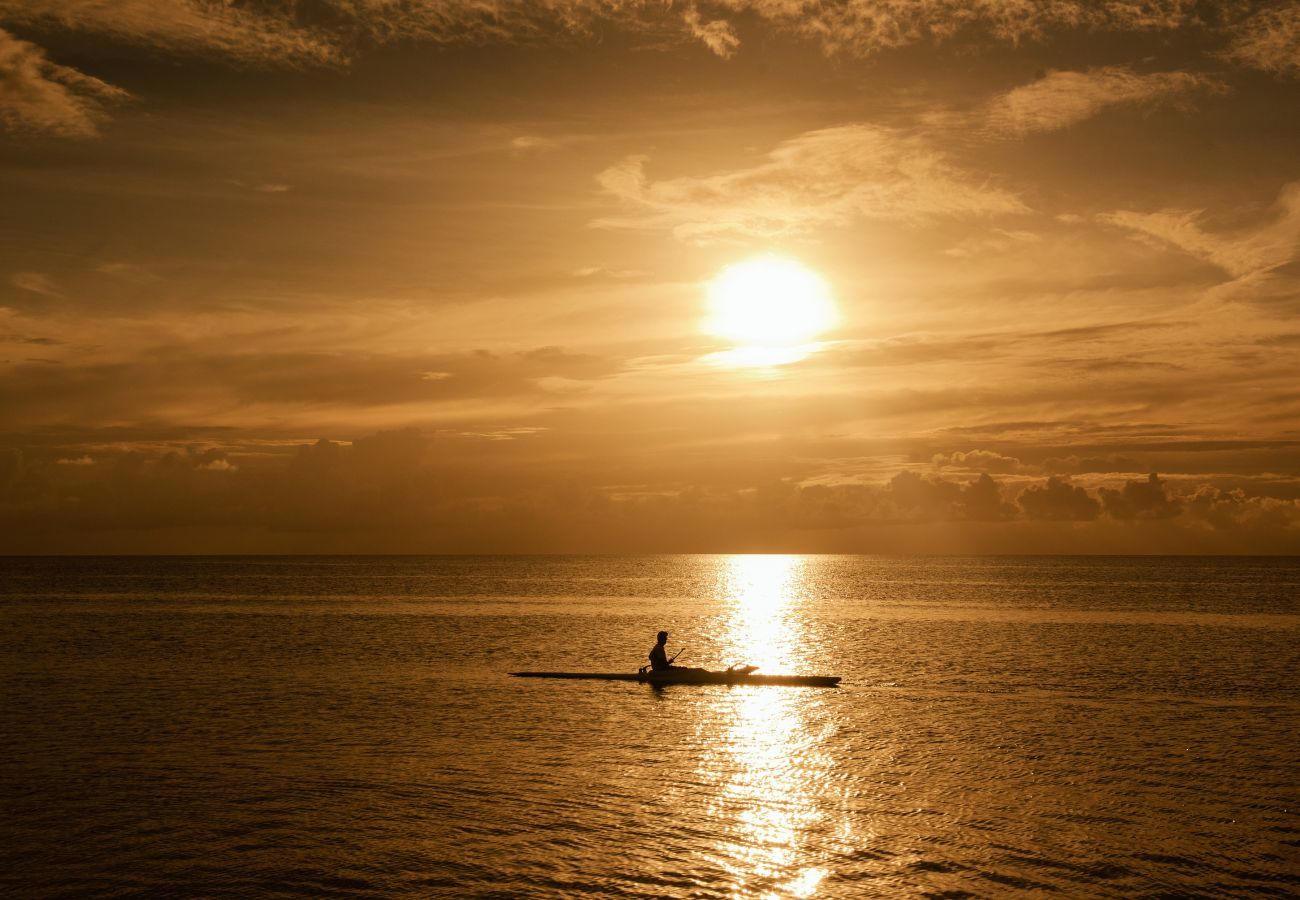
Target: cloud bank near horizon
x=411 y=492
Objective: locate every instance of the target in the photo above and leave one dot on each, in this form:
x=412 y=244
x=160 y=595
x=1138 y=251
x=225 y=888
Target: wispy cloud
x=331 y=32
x=1061 y=99
x=1244 y=253
x=1269 y=40
x=36 y=283
x=821 y=178
x=532 y=143
x=76 y=461
x=862 y=27
x=280 y=32
x=258 y=35
x=997 y=240
x=133 y=273
x=717 y=34
x=41 y=96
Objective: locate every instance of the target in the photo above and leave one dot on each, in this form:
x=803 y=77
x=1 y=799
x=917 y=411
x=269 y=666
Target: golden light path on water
x=769 y=765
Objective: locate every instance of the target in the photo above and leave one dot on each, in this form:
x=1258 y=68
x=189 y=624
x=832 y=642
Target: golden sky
x=437 y=276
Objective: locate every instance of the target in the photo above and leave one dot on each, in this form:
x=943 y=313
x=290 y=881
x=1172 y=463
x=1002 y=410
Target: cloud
x=1078 y=465
x=326 y=31
x=828 y=177
x=279 y=34
x=1139 y=500
x=1255 y=257
x=437 y=491
x=40 y=96
x=1058 y=500
x=982 y=501
x=1269 y=40
x=1180 y=229
x=863 y=27
x=245 y=34
x=531 y=143
x=995 y=241
x=132 y=273
x=1233 y=509
x=717 y=35
x=979 y=461
x=76 y=461
x=910 y=497
x=156 y=384
x=1061 y=99
x=36 y=283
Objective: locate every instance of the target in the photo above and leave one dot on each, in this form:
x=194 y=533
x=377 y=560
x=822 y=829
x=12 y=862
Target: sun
x=770 y=307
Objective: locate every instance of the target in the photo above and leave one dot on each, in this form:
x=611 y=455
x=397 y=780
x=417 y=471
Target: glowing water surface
x=345 y=726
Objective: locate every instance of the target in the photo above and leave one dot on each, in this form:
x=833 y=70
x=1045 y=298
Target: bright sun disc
x=769 y=302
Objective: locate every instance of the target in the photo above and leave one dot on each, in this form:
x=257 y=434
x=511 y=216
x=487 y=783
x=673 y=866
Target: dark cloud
x=1005 y=428
x=415 y=491
x=1140 y=500
x=271 y=32
x=1096 y=333
x=27 y=339
x=203 y=385
x=39 y=95
x=11 y=468
x=1112 y=364
x=911 y=497
x=1269 y=40
x=1058 y=500
x=352 y=380
x=982 y=501
x=331 y=33
x=1234 y=510
x=1289 y=339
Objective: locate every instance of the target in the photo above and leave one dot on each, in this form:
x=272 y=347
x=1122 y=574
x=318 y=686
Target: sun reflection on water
x=759 y=593
x=768 y=763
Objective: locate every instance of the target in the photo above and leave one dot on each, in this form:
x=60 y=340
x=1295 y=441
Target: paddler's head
x=663 y=637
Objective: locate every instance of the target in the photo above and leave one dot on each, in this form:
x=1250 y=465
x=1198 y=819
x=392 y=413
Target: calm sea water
x=345 y=726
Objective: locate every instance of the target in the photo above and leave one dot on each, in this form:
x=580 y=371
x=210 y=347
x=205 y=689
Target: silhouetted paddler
x=659 y=660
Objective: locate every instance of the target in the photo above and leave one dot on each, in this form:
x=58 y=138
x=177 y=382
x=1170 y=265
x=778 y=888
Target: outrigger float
x=734 y=675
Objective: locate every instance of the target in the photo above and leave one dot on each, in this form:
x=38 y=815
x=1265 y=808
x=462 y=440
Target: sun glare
x=771 y=308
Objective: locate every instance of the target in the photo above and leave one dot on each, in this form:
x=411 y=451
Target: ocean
x=345 y=726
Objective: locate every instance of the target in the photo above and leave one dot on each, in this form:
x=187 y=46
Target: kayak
x=744 y=675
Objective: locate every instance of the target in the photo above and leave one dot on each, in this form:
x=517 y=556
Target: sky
x=360 y=276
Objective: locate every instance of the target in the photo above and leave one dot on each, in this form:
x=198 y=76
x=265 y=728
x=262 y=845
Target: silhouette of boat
x=734 y=675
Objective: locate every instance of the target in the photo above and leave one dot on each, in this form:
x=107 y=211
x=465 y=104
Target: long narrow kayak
x=694 y=676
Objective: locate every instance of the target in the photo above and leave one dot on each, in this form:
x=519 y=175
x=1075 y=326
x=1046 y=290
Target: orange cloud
x=1269 y=40
x=829 y=177
x=1061 y=99
x=39 y=95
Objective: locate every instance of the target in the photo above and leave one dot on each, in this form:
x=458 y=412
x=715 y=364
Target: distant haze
x=341 y=277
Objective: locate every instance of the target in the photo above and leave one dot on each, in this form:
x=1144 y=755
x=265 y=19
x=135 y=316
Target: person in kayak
x=659 y=660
